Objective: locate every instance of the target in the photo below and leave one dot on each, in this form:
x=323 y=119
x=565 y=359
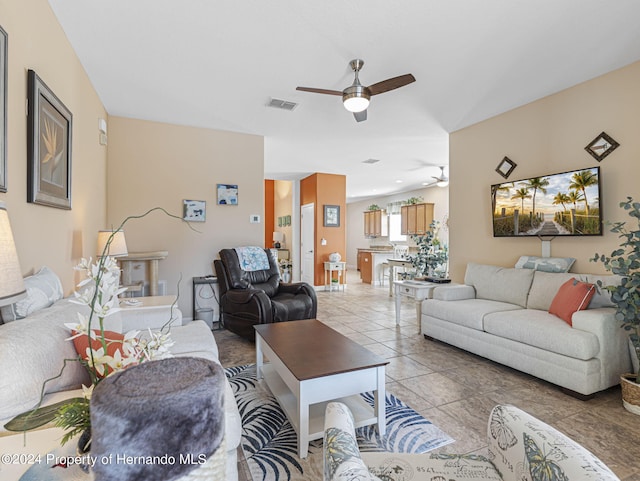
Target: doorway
x=307 y=247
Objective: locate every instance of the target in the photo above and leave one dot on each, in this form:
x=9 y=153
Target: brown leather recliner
x=248 y=298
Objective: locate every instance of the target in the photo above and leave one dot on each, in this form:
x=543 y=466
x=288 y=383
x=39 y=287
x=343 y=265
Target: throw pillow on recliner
x=572 y=296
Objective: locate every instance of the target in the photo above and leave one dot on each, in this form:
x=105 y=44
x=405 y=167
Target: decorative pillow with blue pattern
x=545 y=264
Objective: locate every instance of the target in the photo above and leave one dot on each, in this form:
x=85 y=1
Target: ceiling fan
x=441 y=180
x=356 y=96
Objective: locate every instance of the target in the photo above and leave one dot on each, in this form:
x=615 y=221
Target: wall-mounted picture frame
x=287 y=220
x=194 y=210
x=3 y=110
x=280 y=221
x=505 y=167
x=227 y=194
x=49 y=126
x=332 y=216
x=601 y=146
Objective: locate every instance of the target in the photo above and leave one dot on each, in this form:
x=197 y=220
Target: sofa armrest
x=514 y=435
x=340 y=447
x=454 y=293
x=614 y=350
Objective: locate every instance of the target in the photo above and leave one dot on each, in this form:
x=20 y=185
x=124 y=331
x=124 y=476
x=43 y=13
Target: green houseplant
x=432 y=255
x=625 y=262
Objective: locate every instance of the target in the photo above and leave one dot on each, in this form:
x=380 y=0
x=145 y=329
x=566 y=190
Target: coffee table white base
x=304 y=401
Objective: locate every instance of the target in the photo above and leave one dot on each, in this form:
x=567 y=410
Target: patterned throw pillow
x=43 y=289
x=545 y=264
x=572 y=296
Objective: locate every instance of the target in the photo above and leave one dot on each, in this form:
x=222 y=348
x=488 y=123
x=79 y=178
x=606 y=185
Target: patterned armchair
x=520 y=448
x=251 y=291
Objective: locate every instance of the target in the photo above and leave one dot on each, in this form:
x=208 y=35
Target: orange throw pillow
x=572 y=296
x=114 y=343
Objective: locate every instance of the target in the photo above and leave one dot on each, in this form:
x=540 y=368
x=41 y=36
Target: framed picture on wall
x=48 y=146
x=227 y=194
x=3 y=110
x=332 y=216
x=194 y=210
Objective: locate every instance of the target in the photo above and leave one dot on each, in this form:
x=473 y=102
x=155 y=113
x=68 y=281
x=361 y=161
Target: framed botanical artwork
x=3 y=110
x=227 y=194
x=194 y=210
x=332 y=216
x=49 y=125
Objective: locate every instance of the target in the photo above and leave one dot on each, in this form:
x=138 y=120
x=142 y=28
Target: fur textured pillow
x=172 y=408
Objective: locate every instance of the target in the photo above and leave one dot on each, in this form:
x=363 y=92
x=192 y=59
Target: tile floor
x=456 y=390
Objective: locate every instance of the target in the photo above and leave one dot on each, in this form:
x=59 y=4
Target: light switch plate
x=254 y=218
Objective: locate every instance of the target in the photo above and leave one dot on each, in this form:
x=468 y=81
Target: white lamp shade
x=278 y=236
x=11 y=283
x=118 y=245
x=356 y=104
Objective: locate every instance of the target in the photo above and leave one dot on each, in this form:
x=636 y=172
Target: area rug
x=269 y=441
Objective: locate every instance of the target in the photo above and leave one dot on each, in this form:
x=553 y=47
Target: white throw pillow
x=43 y=289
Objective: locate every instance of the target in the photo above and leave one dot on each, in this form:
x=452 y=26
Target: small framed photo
x=48 y=146
x=227 y=194
x=505 y=167
x=332 y=216
x=194 y=210
x=601 y=146
x=287 y=220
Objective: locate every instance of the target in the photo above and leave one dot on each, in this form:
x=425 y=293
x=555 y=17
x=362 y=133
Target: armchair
x=255 y=297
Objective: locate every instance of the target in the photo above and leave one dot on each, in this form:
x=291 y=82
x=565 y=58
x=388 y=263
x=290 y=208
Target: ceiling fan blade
x=360 y=116
x=391 y=84
x=320 y=91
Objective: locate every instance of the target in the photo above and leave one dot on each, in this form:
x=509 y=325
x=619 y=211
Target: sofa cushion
x=545 y=264
x=543 y=330
x=572 y=296
x=602 y=297
x=544 y=288
x=43 y=289
x=501 y=284
x=34 y=350
x=469 y=312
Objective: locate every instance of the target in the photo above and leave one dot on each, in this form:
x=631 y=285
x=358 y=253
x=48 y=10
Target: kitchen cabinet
x=375 y=223
x=416 y=218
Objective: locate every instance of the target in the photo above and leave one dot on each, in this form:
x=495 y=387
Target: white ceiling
x=217 y=63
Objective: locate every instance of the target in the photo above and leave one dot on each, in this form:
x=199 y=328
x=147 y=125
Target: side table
x=149 y=312
x=417 y=290
x=212 y=282
x=329 y=268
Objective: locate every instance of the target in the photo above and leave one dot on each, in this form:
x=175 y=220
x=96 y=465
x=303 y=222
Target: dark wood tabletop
x=311 y=349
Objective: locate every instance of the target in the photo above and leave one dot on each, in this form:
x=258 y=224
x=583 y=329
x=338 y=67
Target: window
x=395 y=221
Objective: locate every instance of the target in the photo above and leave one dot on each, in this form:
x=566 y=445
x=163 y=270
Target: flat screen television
x=564 y=204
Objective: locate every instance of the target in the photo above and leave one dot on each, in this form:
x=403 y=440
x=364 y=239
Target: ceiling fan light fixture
x=355 y=98
x=442 y=183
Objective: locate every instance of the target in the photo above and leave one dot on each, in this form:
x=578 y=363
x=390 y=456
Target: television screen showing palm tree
x=565 y=204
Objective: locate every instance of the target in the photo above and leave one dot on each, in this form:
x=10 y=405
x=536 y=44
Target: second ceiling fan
x=356 y=96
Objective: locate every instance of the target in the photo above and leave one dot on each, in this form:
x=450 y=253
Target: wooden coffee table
x=311 y=364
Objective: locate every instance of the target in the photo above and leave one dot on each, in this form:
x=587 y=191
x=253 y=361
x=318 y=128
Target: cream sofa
x=519 y=447
x=502 y=314
x=33 y=350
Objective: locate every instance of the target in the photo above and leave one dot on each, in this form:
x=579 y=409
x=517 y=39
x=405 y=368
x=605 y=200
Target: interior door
x=307 y=246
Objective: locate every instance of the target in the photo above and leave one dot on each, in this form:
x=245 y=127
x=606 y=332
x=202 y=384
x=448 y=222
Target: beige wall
x=545 y=137
x=45 y=235
x=283 y=206
x=158 y=165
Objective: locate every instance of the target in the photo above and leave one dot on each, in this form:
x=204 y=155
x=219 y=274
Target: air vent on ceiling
x=370 y=161
x=282 y=104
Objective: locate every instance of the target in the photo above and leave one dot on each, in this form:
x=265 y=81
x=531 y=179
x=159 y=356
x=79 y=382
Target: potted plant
x=374 y=207
x=431 y=255
x=625 y=262
x=413 y=200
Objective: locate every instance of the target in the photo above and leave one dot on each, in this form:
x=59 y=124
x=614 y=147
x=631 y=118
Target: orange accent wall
x=269 y=217
x=326 y=189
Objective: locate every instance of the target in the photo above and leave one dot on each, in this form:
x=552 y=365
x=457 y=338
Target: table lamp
x=118 y=245
x=277 y=238
x=11 y=284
